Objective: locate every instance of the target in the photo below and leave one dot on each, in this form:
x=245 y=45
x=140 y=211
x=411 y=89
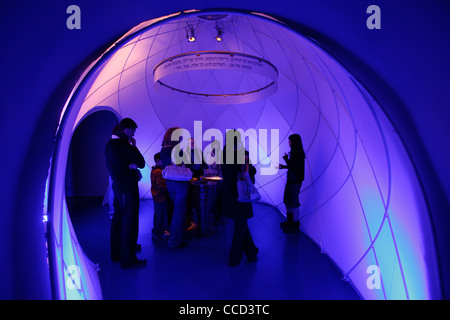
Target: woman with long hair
x=295 y=163
x=178 y=191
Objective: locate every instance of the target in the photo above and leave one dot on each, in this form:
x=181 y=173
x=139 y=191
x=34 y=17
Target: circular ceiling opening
x=221 y=72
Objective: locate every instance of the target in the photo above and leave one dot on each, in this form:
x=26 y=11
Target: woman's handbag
x=177 y=173
x=246 y=190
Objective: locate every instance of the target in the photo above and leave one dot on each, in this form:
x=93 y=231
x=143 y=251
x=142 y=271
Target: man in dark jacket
x=122 y=159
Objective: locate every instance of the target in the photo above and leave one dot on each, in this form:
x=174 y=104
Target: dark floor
x=290 y=266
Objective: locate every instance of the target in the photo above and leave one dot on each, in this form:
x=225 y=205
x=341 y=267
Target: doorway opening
x=361 y=200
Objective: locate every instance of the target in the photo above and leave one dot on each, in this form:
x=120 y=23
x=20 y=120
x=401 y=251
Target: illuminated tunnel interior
x=361 y=201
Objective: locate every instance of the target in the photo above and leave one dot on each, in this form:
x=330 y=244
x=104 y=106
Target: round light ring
x=216 y=60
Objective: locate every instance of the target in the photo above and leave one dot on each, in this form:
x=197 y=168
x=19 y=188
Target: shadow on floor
x=290 y=266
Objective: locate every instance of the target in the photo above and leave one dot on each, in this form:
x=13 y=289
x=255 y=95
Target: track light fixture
x=219 y=33
x=190 y=34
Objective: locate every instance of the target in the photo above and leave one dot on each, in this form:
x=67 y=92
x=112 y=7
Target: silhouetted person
x=122 y=159
x=295 y=163
x=178 y=191
x=240 y=212
x=160 y=200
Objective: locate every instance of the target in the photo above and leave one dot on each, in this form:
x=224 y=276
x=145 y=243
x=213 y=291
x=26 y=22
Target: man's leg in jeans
x=178 y=193
x=130 y=215
x=159 y=219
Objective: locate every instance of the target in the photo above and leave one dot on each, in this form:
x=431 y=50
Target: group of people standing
x=123 y=160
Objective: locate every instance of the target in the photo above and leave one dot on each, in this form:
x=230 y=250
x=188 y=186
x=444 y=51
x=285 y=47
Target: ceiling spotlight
x=219 y=34
x=190 y=35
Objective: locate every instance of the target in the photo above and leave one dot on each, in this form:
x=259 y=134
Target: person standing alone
x=123 y=159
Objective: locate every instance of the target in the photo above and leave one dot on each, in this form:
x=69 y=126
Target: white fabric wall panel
x=344 y=236
x=369 y=194
x=140 y=51
x=360 y=272
x=133 y=74
x=406 y=208
x=115 y=65
x=105 y=93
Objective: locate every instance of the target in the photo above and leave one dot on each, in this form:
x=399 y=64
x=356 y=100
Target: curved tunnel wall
x=361 y=200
